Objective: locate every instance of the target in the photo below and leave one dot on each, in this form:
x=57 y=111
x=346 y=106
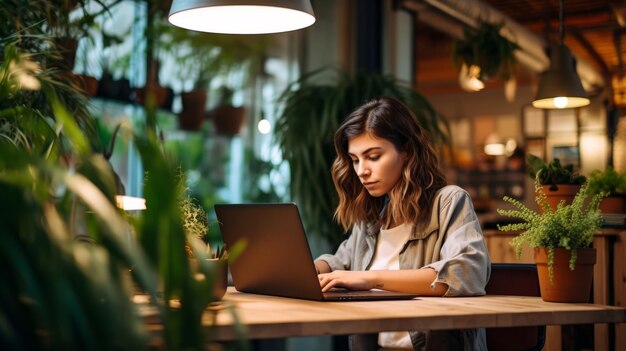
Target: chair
x=518 y=280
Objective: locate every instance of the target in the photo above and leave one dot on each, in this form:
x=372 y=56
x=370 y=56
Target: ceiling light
x=494 y=146
x=469 y=78
x=241 y=16
x=560 y=85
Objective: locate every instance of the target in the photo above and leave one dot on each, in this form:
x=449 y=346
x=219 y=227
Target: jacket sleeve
x=343 y=259
x=464 y=263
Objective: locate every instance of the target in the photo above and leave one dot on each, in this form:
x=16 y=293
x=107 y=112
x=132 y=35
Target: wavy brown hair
x=411 y=199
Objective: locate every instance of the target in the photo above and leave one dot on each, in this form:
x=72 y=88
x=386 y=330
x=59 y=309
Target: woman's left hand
x=353 y=280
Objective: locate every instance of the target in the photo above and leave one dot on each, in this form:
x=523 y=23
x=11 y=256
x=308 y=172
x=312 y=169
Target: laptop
x=277 y=259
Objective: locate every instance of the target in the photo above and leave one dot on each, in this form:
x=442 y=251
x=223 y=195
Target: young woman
x=410 y=232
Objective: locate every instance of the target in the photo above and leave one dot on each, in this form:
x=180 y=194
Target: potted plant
x=612 y=183
x=484 y=53
x=561 y=238
x=203 y=57
x=195 y=222
x=227 y=118
x=311 y=109
x=558 y=182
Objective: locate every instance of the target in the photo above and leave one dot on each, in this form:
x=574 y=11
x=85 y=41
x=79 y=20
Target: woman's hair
x=411 y=199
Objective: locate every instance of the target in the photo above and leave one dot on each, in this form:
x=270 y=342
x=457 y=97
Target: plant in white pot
x=561 y=238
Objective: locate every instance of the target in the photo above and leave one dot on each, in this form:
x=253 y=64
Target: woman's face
x=377 y=163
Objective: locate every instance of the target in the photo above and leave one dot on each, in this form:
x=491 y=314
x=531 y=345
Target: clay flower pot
x=613 y=204
x=558 y=192
x=567 y=285
x=228 y=120
x=192 y=116
x=89 y=84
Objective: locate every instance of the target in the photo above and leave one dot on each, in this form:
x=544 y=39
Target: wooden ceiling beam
x=604 y=69
x=601 y=21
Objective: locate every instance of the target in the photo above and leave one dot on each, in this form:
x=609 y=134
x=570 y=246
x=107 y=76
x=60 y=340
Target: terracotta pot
x=159 y=94
x=613 y=204
x=192 y=115
x=558 y=192
x=228 y=119
x=89 y=84
x=567 y=285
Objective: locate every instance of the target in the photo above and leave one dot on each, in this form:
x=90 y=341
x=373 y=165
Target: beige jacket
x=451 y=243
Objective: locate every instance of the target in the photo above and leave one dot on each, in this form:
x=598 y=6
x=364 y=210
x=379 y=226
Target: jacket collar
x=421 y=230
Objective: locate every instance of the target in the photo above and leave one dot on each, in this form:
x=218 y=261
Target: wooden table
x=276 y=317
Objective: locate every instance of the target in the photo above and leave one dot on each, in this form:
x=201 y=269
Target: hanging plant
x=486 y=49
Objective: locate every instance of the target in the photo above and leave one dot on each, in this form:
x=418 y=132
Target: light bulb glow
x=264 y=126
x=561 y=102
x=242 y=19
x=494 y=149
x=469 y=78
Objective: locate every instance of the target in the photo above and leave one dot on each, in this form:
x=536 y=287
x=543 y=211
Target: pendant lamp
x=560 y=85
x=241 y=16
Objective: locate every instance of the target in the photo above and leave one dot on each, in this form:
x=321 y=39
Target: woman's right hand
x=353 y=280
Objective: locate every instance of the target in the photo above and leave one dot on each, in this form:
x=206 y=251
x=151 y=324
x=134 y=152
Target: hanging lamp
x=241 y=16
x=560 y=85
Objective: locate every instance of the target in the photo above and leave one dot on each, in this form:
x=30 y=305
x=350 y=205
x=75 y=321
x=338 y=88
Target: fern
x=568 y=226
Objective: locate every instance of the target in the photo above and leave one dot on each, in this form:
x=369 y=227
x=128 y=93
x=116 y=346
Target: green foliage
x=487 y=49
x=202 y=56
x=313 y=108
x=568 y=226
x=608 y=181
x=225 y=96
x=553 y=173
x=195 y=218
x=257 y=184
x=57 y=292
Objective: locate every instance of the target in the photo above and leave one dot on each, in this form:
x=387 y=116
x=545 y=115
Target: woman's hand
x=353 y=280
x=416 y=281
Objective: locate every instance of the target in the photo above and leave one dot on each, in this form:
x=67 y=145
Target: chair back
x=518 y=280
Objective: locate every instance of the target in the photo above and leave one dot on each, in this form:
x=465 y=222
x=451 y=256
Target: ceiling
x=594 y=31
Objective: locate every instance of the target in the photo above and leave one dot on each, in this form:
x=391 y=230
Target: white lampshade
x=241 y=16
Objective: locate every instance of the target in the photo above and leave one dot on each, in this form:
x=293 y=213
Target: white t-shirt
x=387 y=257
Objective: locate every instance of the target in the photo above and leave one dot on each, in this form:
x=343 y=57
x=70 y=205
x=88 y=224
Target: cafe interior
x=116 y=81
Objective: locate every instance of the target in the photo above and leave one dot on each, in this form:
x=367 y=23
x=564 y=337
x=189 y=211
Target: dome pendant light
x=241 y=16
x=560 y=85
